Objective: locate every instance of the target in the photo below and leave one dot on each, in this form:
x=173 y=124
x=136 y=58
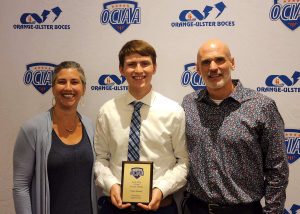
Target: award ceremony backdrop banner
x=37 y=35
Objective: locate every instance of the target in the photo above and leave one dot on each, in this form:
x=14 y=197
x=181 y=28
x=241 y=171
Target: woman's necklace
x=70 y=130
x=73 y=128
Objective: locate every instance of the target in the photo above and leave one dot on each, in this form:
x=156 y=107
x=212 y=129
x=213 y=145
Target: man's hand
x=115 y=196
x=157 y=196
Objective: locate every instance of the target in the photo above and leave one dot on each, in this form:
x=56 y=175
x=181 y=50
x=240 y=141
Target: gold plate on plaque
x=136 y=186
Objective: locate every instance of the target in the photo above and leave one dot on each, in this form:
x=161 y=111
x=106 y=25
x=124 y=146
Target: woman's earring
x=53 y=101
x=82 y=101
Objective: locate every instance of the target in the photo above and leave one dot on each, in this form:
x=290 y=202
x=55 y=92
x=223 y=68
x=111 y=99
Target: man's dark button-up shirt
x=236 y=149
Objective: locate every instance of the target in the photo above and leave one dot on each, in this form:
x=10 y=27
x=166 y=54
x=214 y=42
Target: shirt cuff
x=108 y=184
x=163 y=186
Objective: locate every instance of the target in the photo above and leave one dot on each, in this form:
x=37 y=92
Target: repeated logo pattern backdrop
x=37 y=35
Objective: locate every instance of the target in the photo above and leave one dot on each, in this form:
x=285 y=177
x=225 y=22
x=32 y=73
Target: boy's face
x=138 y=71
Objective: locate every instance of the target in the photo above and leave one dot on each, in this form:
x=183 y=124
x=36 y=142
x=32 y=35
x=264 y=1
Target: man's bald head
x=214 y=44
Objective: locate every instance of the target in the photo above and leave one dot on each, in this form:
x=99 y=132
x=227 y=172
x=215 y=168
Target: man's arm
x=175 y=177
x=275 y=160
x=104 y=177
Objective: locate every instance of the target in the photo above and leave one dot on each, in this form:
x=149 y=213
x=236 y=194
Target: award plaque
x=136 y=186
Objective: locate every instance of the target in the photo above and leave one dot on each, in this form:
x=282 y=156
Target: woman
x=53 y=155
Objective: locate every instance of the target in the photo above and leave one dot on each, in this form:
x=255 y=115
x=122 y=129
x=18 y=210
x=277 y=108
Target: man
x=235 y=140
x=162 y=135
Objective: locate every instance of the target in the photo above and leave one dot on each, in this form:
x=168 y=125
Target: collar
x=236 y=95
x=148 y=99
